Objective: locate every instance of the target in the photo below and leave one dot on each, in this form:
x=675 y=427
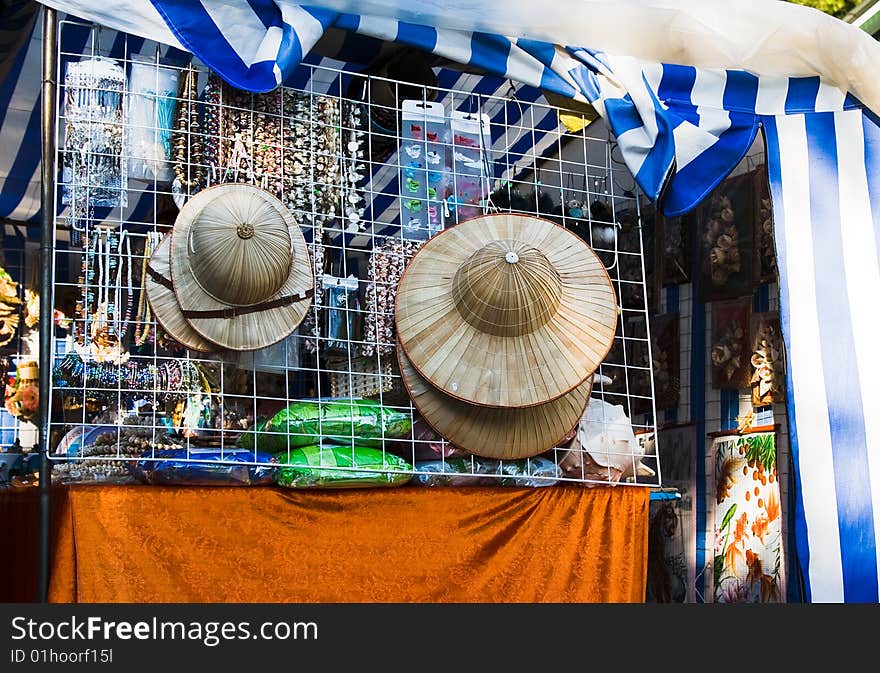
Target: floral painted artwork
x=767 y=360
x=730 y=352
x=748 y=520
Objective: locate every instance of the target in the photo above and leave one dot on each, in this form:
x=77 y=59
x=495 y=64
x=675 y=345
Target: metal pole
x=46 y=289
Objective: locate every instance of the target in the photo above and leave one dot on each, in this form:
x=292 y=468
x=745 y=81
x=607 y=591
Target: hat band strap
x=159 y=278
x=235 y=311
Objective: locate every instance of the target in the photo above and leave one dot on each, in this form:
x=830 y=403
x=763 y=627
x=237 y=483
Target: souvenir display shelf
x=330 y=150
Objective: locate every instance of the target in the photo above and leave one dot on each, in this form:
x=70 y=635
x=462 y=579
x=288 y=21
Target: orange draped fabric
x=410 y=544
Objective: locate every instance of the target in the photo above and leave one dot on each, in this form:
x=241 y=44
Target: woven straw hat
x=506 y=310
x=163 y=302
x=506 y=434
x=240 y=267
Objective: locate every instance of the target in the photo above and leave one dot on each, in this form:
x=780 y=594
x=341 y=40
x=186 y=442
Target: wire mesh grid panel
x=367 y=169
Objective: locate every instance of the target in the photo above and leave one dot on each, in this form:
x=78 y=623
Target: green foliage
x=760 y=448
x=728 y=517
x=834 y=7
x=718 y=568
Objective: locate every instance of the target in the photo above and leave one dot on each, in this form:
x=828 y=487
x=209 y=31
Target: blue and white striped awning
x=680 y=129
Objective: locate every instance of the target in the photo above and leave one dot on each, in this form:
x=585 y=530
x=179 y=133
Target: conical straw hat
x=506 y=311
x=163 y=302
x=240 y=267
x=506 y=434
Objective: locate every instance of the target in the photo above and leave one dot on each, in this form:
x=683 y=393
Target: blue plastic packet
x=230 y=467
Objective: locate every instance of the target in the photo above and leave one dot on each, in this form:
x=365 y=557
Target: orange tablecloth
x=228 y=544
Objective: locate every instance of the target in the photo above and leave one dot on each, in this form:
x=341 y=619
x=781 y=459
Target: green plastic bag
x=339 y=420
x=319 y=467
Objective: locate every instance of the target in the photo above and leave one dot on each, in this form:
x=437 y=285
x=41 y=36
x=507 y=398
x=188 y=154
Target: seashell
x=720 y=354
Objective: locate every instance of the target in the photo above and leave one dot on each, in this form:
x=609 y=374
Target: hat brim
x=246 y=331
x=501 y=434
x=163 y=301
x=505 y=371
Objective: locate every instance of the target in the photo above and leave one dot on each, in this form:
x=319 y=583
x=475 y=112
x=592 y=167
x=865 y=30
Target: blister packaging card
x=424 y=176
x=342 y=305
x=471 y=140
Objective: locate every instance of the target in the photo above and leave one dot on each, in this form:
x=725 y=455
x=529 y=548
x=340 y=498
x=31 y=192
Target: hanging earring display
x=353 y=169
x=94 y=172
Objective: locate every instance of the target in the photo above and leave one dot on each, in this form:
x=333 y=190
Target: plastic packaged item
x=331 y=466
x=334 y=419
x=534 y=472
x=151 y=102
x=103 y=471
x=424 y=176
x=467 y=471
x=455 y=472
x=471 y=140
x=341 y=312
x=232 y=467
x=278 y=358
x=94 y=172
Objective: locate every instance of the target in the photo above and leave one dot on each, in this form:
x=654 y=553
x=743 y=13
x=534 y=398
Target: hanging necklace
x=121 y=326
x=143 y=328
x=187 y=141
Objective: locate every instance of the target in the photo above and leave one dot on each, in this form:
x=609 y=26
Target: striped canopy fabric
x=681 y=130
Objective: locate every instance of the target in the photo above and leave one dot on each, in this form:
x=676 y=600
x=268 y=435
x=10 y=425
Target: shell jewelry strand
x=143 y=328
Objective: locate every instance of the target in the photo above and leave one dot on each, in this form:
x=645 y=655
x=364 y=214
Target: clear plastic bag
x=151 y=102
x=363 y=422
x=319 y=467
x=94 y=172
x=231 y=468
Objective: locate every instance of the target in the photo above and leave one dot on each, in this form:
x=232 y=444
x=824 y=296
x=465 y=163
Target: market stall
x=288 y=271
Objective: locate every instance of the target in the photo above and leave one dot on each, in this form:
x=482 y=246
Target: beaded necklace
x=121 y=327
x=143 y=327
